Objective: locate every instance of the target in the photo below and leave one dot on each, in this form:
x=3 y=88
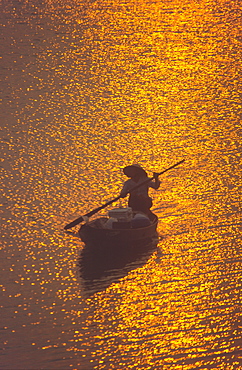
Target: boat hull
x=91 y=234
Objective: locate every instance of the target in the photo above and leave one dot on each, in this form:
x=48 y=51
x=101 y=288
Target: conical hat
x=134 y=167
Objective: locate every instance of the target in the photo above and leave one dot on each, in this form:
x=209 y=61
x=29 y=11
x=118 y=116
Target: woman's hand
x=155 y=174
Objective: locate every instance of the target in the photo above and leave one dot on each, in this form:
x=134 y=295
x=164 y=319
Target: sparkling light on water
x=87 y=88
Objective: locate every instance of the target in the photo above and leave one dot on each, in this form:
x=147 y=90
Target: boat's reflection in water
x=103 y=264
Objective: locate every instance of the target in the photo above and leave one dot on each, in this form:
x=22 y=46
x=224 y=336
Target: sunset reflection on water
x=88 y=88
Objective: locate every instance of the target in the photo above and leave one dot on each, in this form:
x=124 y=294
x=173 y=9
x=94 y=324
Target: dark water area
x=87 y=88
x=102 y=265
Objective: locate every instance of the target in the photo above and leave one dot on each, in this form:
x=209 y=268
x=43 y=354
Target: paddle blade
x=74 y=223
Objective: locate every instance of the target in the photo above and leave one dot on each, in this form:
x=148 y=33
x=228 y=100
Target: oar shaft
x=89 y=214
x=169 y=168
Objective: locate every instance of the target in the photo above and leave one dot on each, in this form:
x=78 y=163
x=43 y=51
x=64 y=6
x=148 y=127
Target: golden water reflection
x=88 y=88
x=186 y=312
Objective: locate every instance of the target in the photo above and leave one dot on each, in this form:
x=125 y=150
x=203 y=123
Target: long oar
x=91 y=213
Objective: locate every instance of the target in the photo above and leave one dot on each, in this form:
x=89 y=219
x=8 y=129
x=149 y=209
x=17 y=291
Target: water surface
x=87 y=88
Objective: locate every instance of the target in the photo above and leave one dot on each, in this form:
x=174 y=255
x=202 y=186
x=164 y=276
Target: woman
x=139 y=199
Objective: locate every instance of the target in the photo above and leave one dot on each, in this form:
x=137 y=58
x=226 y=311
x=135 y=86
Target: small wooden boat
x=94 y=233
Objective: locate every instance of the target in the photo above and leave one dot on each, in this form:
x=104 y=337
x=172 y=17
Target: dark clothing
x=139 y=199
x=140 y=203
